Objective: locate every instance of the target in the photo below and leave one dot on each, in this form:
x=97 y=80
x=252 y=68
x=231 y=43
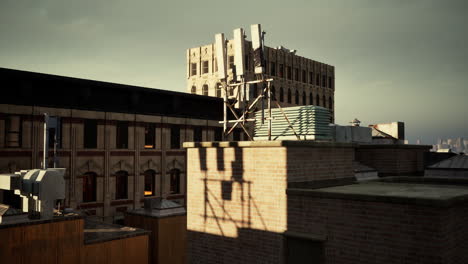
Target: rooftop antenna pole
x=46 y=142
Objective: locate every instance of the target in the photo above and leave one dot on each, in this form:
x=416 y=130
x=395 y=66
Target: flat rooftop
x=97 y=232
x=423 y=191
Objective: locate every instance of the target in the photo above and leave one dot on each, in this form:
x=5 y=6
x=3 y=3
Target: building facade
x=297 y=80
x=118 y=143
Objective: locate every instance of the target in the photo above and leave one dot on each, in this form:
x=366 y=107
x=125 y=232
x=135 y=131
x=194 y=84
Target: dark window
x=288 y=72
x=304 y=98
x=90 y=133
x=311 y=77
x=255 y=90
x=324 y=81
x=304 y=76
x=197 y=134
x=300 y=250
x=296 y=75
x=246 y=57
x=89 y=187
x=236 y=135
x=218 y=134
x=13 y=129
x=150 y=136
x=205 y=89
x=54 y=127
x=281 y=95
x=175 y=137
x=296 y=97
x=231 y=62
x=273 y=93
x=121 y=185
x=175 y=181
x=317 y=79
x=122 y=135
x=330 y=102
x=317 y=100
x=324 y=101
x=150 y=182
x=204 y=67
x=289 y=96
x=194 y=90
x=311 y=99
x=329 y=82
x=281 y=71
x=193 y=68
x=218 y=90
x=273 y=69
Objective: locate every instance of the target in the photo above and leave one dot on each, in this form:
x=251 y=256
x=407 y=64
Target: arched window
x=324 y=101
x=289 y=96
x=297 y=97
x=281 y=95
x=121 y=185
x=194 y=90
x=273 y=93
x=175 y=181
x=150 y=182
x=304 y=98
x=330 y=102
x=311 y=99
x=317 y=100
x=89 y=187
x=218 y=90
x=205 y=89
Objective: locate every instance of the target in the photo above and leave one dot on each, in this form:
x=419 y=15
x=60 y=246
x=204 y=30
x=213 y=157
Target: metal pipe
x=46 y=142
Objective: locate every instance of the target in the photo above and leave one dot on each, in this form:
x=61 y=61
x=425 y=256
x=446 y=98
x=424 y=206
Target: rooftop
x=97 y=232
x=455 y=162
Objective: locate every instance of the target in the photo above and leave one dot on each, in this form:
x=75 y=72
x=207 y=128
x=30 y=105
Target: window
x=218 y=90
x=330 y=102
x=54 y=129
x=175 y=137
x=311 y=77
x=273 y=69
x=90 y=133
x=281 y=71
x=296 y=97
x=311 y=99
x=89 y=187
x=324 y=81
x=174 y=175
x=296 y=74
x=236 y=135
x=193 y=69
x=330 y=82
x=150 y=185
x=289 y=96
x=281 y=95
x=204 y=67
x=288 y=72
x=13 y=129
x=231 y=62
x=301 y=250
x=317 y=100
x=205 y=89
x=304 y=76
x=304 y=98
x=122 y=135
x=255 y=90
x=197 y=134
x=324 y=101
x=194 y=90
x=317 y=79
x=150 y=136
x=218 y=134
x=273 y=93
x=246 y=62
x=121 y=185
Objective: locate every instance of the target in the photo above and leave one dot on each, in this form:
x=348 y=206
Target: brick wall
x=392 y=160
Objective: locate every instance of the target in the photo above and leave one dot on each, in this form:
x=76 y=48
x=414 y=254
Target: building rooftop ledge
x=275 y=143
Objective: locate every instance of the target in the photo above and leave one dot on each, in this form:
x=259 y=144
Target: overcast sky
x=398 y=60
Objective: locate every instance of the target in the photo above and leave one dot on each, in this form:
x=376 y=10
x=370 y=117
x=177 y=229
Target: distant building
x=297 y=80
x=457 y=145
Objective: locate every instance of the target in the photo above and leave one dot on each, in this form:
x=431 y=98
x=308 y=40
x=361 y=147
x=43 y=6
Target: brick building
x=297 y=202
x=119 y=143
x=297 y=80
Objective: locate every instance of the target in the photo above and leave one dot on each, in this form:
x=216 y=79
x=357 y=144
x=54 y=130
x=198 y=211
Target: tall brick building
x=119 y=143
x=297 y=80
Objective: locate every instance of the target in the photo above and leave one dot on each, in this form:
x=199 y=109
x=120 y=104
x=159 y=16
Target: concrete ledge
x=321 y=183
x=393 y=146
x=275 y=143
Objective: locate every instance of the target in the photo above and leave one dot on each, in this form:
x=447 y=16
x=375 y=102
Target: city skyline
x=400 y=61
